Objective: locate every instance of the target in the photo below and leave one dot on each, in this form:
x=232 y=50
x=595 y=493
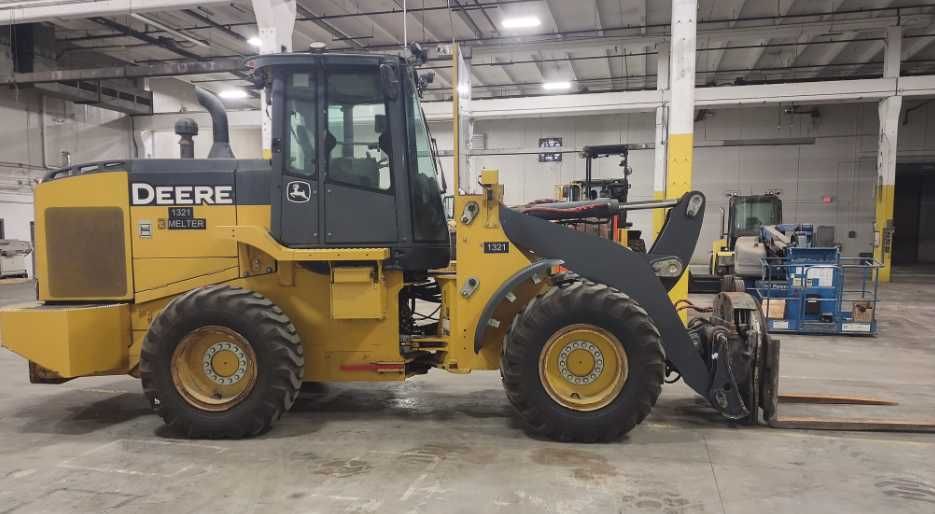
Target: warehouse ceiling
x=593 y=45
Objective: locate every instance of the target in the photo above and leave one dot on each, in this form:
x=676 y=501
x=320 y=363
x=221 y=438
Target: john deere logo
x=145 y=194
x=298 y=191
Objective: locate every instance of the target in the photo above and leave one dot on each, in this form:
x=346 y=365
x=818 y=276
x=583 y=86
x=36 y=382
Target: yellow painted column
x=886 y=179
x=681 y=112
x=679 y=182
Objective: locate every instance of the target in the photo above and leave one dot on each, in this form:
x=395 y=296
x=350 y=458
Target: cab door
x=357 y=156
x=296 y=193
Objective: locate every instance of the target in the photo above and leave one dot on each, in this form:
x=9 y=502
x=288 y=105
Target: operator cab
x=749 y=213
x=353 y=164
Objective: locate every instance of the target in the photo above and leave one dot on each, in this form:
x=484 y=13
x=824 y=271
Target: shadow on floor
x=70 y=413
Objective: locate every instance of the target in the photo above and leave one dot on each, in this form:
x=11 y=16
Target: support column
x=892 y=57
x=660 y=155
x=681 y=111
x=889 y=110
x=276 y=22
x=886 y=180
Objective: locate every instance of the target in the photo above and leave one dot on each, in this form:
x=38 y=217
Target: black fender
x=607 y=262
x=541 y=268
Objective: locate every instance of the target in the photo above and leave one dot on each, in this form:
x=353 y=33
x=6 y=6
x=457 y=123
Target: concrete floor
x=450 y=443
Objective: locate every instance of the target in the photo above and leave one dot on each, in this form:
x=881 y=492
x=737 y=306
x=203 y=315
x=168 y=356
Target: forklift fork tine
x=833 y=400
x=853 y=424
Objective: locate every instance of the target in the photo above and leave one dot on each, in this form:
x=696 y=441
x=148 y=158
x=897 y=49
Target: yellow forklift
x=614 y=225
x=225 y=284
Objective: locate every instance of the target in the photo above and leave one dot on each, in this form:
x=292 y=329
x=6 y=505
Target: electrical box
x=357 y=292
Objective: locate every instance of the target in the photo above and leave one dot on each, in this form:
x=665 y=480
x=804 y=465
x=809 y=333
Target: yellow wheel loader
x=225 y=284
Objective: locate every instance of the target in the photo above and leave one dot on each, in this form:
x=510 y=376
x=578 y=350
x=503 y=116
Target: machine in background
x=614 y=226
x=804 y=288
x=13 y=258
x=745 y=215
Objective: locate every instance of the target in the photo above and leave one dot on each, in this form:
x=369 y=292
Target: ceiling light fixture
x=233 y=94
x=556 y=86
x=520 y=22
x=169 y=30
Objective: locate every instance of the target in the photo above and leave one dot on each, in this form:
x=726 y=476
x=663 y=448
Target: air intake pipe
x=221 y=149
x=186 y=129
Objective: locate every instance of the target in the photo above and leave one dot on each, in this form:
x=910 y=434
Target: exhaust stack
x=221 y=149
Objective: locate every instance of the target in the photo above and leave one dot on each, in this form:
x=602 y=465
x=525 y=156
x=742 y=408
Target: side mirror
x=379 y=123
x=389 y=79
x=425 y=79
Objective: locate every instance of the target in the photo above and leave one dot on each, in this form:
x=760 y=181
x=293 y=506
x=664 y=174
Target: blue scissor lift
x=816 y=291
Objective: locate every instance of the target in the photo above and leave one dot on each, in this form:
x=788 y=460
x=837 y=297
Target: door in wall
x=906 y=215
x=914 y=215
x=926 y=252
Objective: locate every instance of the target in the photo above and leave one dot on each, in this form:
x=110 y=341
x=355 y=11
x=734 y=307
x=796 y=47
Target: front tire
x=221 y=362
x=583 y=363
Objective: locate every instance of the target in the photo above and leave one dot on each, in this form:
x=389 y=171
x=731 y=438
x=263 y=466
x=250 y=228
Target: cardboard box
x=863 y=311
x=774 y=309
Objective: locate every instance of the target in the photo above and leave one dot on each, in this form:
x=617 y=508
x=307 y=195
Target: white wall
x=85 y=132
x=174 y=96
x=245 y=143
x=841 y=162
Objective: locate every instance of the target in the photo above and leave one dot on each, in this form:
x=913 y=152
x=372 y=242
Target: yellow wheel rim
x=214 y=368
x=583 y=367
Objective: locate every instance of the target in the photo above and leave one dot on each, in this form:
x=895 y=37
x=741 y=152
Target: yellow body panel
x=254 y=215
x=490 y=270
x=94 y=190
x=260 y=238
x=182 y=243
x=161 y=272
x=187 y=285
x=71 y=341
x=357 y=292
x=333 y=343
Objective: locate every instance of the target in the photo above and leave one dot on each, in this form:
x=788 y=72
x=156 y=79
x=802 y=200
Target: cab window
x=300 y=110
x=357 y=142
x=428 y=215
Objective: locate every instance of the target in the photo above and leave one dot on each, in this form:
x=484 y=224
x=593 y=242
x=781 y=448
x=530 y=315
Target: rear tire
x=578 y=303
x=254 y=383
